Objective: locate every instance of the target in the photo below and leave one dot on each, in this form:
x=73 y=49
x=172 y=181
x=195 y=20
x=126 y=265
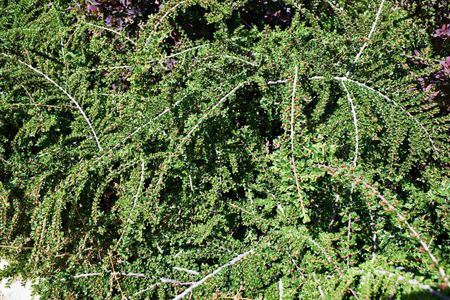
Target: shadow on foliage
x=424 y=295
x=194 y=23
x=260 y=13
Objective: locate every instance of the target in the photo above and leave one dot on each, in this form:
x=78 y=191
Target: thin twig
x=186 y=50
x=164 y=280
x=355 y=123
x=322 y=296
x=17 y=105
x=349 y=229
x=374 y=233
x=113 y=31
x=335 y=208
x=191 y=185
x=355 y=160
x=110 y=68
x=148 y=289
x=195 y=273
x=66 y=93
x=280 y=289
x=292 y=136
x=64 y=62
x=166 y=14
x=319 y=288
x=274 y=82
x=87 y=275
x=413 y=282
x=135 y=275
x=241 y=60
x=15 y=247
x=28 y=93
x=372 y=30
x=253 y=64
x=176 y=282
x=212 y=274
x=114 y=277
x=141 y=182
x=334 y=5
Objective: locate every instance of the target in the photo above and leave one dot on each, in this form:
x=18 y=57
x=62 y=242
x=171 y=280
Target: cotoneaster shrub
x=136 y=161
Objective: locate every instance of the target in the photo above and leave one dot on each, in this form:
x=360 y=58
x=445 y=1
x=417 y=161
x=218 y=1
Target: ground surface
x=17 y=290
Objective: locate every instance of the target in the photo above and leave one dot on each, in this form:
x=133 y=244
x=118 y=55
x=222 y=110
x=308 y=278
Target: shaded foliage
x=223 y=126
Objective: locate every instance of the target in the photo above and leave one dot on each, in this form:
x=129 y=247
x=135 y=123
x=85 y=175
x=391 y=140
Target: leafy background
x=225 y=127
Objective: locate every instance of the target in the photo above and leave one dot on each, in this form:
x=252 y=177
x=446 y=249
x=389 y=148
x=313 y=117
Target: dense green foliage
x=203 y=132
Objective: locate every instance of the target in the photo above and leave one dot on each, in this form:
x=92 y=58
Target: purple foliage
x=108 y=21
x=439 y=82
x=436 y=19
x=442 y=33
x=273 y=13
x=446 y=64
x=437 y=77
x=92 y=8
x=123 y=13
